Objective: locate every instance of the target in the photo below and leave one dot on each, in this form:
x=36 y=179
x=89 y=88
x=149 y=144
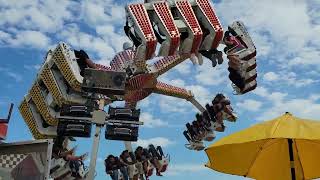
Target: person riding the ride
x=142 y=164
x=112 y=165
x=129 y=160
x=60 y=150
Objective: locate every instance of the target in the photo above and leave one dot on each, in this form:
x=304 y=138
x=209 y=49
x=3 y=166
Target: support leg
x=94 y=153
x=128 y=144
x=95 y=147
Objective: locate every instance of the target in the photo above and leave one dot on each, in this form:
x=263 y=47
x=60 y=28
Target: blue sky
x=285 y=33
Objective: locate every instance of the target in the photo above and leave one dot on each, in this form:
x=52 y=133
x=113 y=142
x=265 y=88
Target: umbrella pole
x=293 y=173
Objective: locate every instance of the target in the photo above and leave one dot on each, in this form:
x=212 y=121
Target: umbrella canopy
x=284 y=148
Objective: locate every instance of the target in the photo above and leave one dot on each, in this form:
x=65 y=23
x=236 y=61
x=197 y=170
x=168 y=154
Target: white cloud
x=270 y=76
x=4 y=36
x=146 y=102
x=31 y=38
x=304 y=108
x=32 y=67
x=184 y=68
x=96 y=13
x=112 y=36
x=8 y=72
x=307 y=107
x=201 y=93
x=151 y=122
x=261 y=91
x=77 y=39
x=307 y=56
x=272 y=96
x=250 y=105
x=276 y=96
x=15 y=76
x=177 y=82
x=314 y=97
x=157 y=141
x=207 y=75
x=283 y=38
x=178 y=169
x=45 y=16
x=34 y=39
x=171 y=104
x=288 y=78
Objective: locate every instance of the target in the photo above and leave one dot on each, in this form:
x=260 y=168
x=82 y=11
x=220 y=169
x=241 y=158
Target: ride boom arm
x=169 y=90
x=166 y=63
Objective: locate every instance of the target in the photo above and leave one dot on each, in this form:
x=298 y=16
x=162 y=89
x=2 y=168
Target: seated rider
x=219 y=125
x=84 y=62
x=112 y=165
x=159 y=149
x=60 y=150
x=142 y=156
x=156 y=152
x=129 y=160
x=232 y=43
x=154 y=159
x=213 y=55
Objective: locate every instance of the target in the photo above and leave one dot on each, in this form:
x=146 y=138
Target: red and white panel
x=191 y=21
x=163 y=12
x=139 y=81
x=139 y=14
x=138 y=95
x=120 y=60
x=166 y=62
x=208 y=11
x=169 y=90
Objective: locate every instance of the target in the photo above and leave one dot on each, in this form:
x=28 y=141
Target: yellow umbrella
x=284 y=148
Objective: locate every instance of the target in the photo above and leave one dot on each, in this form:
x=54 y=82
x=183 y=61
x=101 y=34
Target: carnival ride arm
x=166 y=63
x=169 y=90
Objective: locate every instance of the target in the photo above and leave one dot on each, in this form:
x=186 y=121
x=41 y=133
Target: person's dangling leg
x=124 y=172
x=185 y=133
x=145 y=168
x=159 y=149
x=234 y=62
x=190 y=131
x=236 y=78
x=130 y=169
x=153 y=151
x=115 y=175
x=220 y=57
x=74 y=165
x=157 y=164
x=139 y=166
x=219 y=123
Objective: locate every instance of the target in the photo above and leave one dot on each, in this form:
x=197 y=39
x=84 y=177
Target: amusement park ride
x=65 y=100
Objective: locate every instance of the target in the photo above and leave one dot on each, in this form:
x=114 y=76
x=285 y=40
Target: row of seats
x=138 y=164
x=209 y=121
x=58 y=82
x=178 y=26
x=65 y=79
x=64 y=163
x=241 y=53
